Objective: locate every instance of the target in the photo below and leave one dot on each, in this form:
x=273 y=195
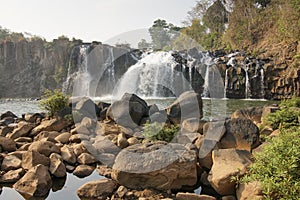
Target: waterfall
x=208 y=62
x=226 y=83
x=262 y=85
x=247 y=84
x=111 y=66
x=153 y=76
x=78 y=80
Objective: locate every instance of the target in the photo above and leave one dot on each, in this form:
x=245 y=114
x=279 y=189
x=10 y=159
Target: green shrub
x=53 y=102
x=277 y=166
x=287 y=116
x=159 y=131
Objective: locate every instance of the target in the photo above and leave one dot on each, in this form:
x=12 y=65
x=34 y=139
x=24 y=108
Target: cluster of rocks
x=110 y=138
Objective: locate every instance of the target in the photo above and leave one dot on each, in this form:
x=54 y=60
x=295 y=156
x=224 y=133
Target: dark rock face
x=129 y=111
x=28 y=67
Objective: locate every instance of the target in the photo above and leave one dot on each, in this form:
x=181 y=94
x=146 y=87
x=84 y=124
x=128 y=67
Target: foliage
x=162 y=33
x=53 y=102
x=287 y=116
x=158 y=131
x=143 y=44
x=277 y=166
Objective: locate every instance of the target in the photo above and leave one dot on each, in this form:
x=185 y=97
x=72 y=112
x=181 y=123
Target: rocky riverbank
x=35 y=150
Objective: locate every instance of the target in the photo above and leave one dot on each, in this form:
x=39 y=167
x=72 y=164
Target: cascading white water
x=226 y=83
x=247 y=84
x=262 y=84
x=208 y=62
x=80 y=78
x=111 y=66
x=153 y=76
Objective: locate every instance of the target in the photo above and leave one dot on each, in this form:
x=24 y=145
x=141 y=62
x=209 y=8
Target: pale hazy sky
x=88 y=19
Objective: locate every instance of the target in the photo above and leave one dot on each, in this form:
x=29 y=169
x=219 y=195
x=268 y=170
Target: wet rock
x=227 y=163
x=83 y=171
x=191 y=196
x=50 y=125
x=6 y=121
x=128 y=111
x=240 y=134
x=159 y=165
x=7 y=114
x=188 y=105
x=248 y=191
x=57 y=167
x=63 y=137
x=100 y=189
x=36 y=182
x=12 y=176
x=68 y=155
x=10 y=162
x=44 y=147
x=86 y=159
x=31 y=159
x=7 y=144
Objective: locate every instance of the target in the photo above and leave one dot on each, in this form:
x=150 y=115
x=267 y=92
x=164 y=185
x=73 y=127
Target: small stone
x=63 y=137
x=122 y=141
x=82 y=171
x=57 y=167
x=68 y=155
x=12 y=176
x=11 y=162
x=86 y=159
x=31 y=159
x=100 y=189
x=132 y=141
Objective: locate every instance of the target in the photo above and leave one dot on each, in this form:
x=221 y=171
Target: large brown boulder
x=34 y=158
x=10 y=162
x=249 y=191
x=187 y=105
x=36 y=182
x=57 y=167
x=192 y=196
x=50 y=125
x=22 y=130
x=128 y=111
x=44 y=147
x=7 y=144
x=12 y=176
x=227 y=163
x=252 y=113
x=87 y=108
x=68 y=155
x=159 y=165
x=240 y=134
x=100 y=189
